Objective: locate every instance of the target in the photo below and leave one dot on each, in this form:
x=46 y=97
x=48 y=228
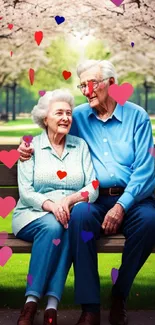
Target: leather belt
x=112 y=191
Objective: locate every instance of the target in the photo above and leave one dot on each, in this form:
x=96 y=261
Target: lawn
x=18 y=122
x=20 y=133
x=13 y=280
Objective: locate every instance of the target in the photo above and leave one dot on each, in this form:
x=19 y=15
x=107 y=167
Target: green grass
x=20 y=133
x=18 y=122
x=13 y=280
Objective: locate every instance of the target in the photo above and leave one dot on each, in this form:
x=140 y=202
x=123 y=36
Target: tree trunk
x=7 y=101
x=14 y=102
x=19 y=101
x=146 y=95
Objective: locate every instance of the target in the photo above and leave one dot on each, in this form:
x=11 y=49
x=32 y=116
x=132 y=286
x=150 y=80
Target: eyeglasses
x=95 y=85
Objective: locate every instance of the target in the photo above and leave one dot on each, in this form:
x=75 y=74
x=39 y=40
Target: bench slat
x=9 y=192
x=106 y=244
x=8 y=176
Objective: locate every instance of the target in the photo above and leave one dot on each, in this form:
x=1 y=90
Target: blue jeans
x=49 y=264
x=138 y=228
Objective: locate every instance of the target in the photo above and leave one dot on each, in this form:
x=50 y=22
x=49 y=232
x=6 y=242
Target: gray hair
x=40 y=110
x=106 y=67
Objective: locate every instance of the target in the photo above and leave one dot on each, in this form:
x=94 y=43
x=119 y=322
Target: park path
x=70 y=317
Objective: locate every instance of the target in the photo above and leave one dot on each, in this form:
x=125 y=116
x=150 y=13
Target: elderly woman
x=58 y=176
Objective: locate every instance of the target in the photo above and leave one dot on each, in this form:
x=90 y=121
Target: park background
x=91 y=30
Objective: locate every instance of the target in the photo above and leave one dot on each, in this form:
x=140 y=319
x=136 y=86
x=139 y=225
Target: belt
x=112 y=191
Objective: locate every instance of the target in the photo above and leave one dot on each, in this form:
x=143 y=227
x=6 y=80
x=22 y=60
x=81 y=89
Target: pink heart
x=3 y=237
x=28 y=138
x=114 y=275
x=121 y=93
x=56 y=241
x=9 y=158
x=29 y=279
x=85 y=194
x=10 y=26
x=42 y=92
x=117 y=2
x=152 y=151
x=5 y=254
x=6 y=205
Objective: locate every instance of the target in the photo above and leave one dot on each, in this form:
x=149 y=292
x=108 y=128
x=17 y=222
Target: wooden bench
x=8 y=187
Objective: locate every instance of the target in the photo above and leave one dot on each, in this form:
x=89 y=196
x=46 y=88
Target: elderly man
x=119 y=138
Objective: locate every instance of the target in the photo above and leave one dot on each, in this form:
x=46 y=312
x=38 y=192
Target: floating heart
x=50 y=320
x=6 y=205
x=66 y=74
x=59 y=19
x=3 y=237
x=29 y=279
x=85 y=194
x=152 y=151
x=86 y=235
x=56 y=242
x=11 y=53
x=90 y=86
x=121 y=93
x=5 y=254
x=117 y=2
x=132 y=44
x=42 y=92
x=61 y=174
x=114 y=275
x=10 y=26
x=9 y=158
x=38 y=36
x=95 y=184
x=31 y=76
x=28 y=138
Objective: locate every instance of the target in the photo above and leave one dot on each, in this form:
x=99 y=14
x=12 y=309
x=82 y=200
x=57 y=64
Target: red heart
x=38 y=36
x=10 y=26
x=85 y=194
x=5 y=254
x=95 y=184
x=90 y=86
x=1 y=18
x=61 y=174
x=50 y=320
x=121 y=93
x=66 y=74
x=9 y=158
x=31 y=76
x=6 y=205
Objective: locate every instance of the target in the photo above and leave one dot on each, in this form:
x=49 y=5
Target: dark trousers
x=138 y=227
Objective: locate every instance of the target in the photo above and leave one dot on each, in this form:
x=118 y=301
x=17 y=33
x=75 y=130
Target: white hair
x=40 y=110
x=107 y=68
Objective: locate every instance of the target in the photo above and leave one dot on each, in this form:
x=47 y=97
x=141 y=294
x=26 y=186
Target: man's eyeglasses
x=95 y=85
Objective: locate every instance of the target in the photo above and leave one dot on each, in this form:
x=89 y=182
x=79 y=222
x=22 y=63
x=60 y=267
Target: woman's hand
x=67 y=205
x=60 y=214
x=25 y=151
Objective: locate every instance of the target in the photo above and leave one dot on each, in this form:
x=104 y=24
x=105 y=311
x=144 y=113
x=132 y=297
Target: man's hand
x=113 y=219
x=25 y=151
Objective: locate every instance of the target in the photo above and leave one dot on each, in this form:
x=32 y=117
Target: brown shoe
x=27 y=314
x=118 y=314
x=88 y=318
x=50 y=317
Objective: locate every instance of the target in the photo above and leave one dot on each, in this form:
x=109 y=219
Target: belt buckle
x=110 y=193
